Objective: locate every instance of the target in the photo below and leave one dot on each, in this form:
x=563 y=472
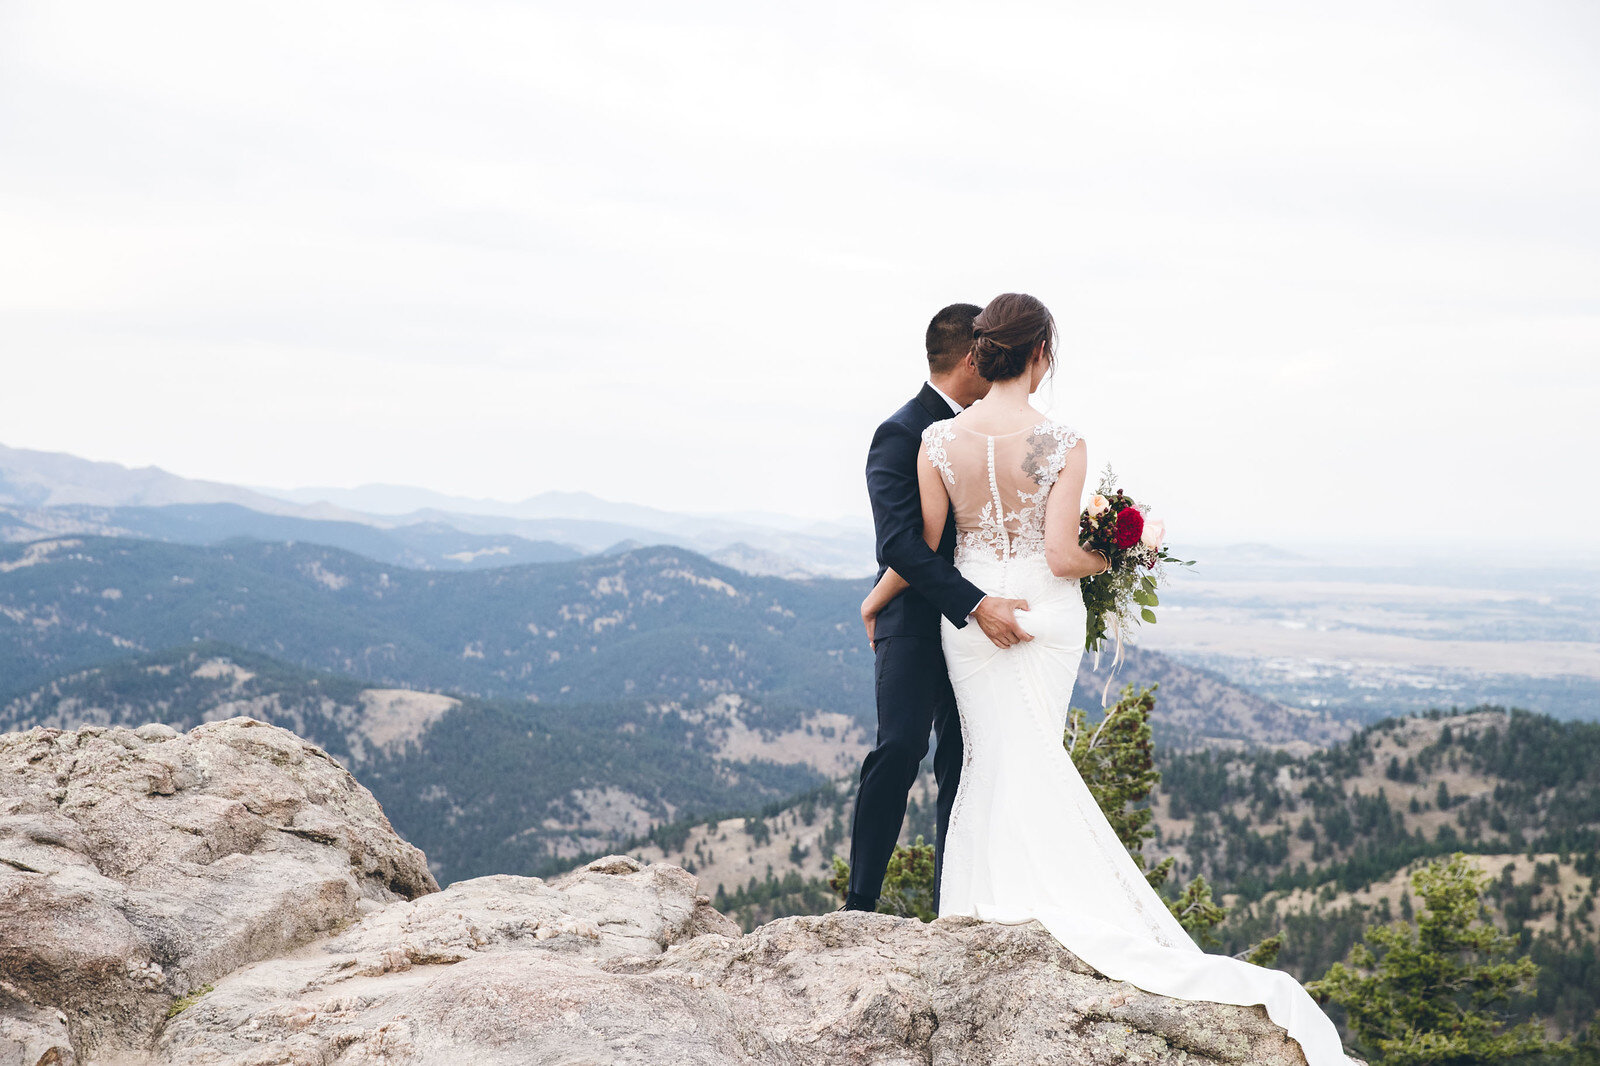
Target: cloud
x=683 y=256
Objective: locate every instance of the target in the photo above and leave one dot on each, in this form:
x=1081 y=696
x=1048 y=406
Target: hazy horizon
x=1411 y=551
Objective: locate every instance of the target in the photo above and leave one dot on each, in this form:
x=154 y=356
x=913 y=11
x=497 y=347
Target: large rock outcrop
x=137 y=866
x=622 y=963
x=359 y=963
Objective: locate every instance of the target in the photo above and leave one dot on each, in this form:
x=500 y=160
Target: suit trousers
x=914 y=695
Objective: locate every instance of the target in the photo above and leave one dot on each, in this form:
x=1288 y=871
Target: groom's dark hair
x=950 y=337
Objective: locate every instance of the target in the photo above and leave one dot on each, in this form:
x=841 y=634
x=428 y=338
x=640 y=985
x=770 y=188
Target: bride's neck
x=1008 y=395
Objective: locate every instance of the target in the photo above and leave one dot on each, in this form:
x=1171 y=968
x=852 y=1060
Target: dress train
x=1026 y=839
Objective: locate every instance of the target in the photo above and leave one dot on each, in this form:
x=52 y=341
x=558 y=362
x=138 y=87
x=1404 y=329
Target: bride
x=1026 y=839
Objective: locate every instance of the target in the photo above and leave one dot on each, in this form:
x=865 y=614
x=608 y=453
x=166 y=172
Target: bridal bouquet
x=1113 y=523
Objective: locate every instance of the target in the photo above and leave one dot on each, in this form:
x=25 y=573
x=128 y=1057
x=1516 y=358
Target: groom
x=913 y=685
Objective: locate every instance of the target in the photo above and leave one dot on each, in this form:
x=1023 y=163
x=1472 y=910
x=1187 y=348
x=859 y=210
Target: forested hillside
x=656 y=622
x=509 y=719
x=1488 y=780
x=1317 y=846
x=481 y=786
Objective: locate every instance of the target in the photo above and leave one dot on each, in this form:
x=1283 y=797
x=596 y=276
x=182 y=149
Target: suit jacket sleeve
x=897 y=517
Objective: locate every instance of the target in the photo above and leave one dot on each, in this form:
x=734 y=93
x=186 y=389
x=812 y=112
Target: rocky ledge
x=232 y=896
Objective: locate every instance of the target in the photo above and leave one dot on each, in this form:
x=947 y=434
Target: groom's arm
x=897 y=519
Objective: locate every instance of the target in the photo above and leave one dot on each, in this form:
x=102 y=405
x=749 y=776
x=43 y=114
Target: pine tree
x=1429 y=994
x=907 y=881
x=1116 y=760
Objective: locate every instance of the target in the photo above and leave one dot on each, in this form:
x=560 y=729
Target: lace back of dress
x=999 y=485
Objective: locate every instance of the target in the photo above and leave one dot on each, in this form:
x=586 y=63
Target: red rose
x=1130 y=527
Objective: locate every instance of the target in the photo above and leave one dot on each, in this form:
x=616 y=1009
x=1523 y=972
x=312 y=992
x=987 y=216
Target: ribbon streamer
x=1105 y=693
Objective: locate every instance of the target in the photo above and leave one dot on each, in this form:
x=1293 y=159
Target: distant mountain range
x=419 y=546
x=659 y=622
x=48 y=493
x=33 y=479
x=405 y=500
x=1361 y=633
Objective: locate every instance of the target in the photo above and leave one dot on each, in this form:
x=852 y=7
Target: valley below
x=1371 y=634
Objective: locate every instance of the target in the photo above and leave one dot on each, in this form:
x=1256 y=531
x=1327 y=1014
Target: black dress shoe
x=853 y=902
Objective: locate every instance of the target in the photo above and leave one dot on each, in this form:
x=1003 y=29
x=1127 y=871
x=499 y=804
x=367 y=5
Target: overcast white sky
x=1336 y=262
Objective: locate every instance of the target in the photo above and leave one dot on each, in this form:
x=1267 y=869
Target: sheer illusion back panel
x=999 y=484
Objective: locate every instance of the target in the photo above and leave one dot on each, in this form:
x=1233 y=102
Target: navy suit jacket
x=936 y=587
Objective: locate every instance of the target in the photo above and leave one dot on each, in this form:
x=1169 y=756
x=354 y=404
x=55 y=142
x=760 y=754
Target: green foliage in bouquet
x=1431 y=994
x=1100 y=600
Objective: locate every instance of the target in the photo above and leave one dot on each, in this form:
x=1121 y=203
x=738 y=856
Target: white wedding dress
x=1026 y=839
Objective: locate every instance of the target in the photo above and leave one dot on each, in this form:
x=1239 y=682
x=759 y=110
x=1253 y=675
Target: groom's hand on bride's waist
x=998 y=619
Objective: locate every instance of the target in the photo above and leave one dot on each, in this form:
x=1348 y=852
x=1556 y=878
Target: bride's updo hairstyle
x=1005 y=334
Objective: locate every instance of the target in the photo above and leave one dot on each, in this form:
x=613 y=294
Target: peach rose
x=1099 y=505
x=1155 y=531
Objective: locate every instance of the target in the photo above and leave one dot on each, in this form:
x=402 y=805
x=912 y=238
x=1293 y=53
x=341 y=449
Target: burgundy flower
x=1130 y=527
